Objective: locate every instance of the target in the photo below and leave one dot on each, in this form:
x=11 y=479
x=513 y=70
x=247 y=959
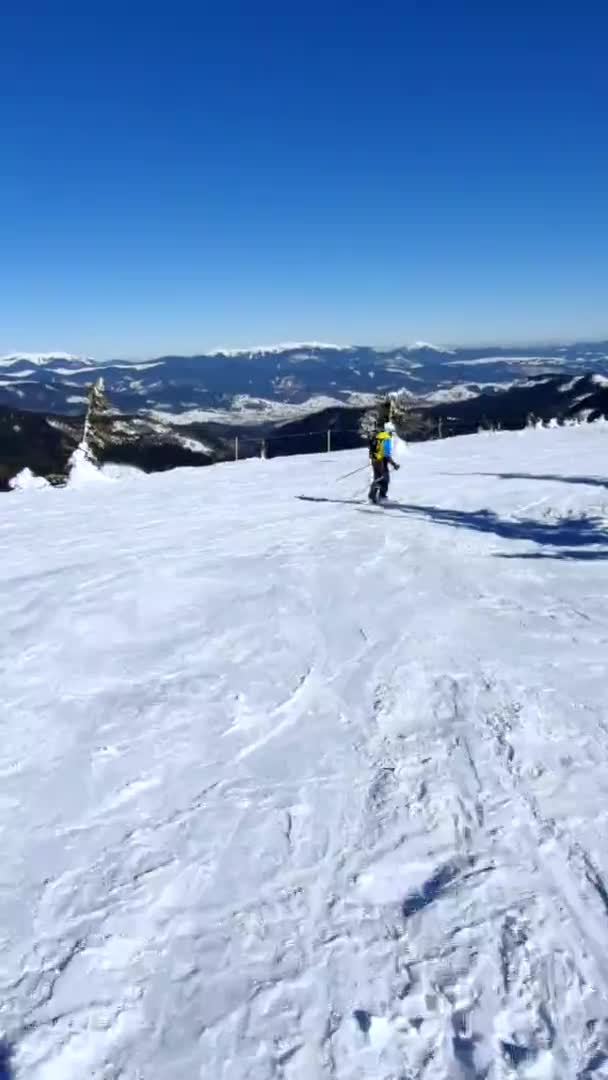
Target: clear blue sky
x=413 y=170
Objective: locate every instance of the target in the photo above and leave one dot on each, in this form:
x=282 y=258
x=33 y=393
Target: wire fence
x=323 y=441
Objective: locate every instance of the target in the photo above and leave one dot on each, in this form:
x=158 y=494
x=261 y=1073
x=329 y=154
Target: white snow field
x=301 y=789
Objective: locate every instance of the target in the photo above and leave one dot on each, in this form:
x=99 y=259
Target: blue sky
x=178 y=182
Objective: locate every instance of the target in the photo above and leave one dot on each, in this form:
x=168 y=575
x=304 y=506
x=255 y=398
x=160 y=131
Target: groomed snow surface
x=302 y=789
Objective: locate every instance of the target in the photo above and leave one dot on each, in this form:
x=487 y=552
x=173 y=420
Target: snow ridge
x=40 y=359
x=428 y=345
x=286 y=346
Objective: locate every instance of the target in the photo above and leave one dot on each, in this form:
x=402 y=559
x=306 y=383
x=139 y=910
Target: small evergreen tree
x=375 y=418
x=404 y=411
x=97 y=422
x=409 y=419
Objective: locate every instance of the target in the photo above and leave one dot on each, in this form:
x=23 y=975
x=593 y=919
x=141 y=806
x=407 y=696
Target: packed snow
x=303 y=789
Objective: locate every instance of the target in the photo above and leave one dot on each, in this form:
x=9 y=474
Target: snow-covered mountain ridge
x=290 y=374
x=299 y=789
x=40 y=359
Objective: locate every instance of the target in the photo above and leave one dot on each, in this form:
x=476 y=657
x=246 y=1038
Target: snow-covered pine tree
x=405 y=412
x=97 y=421
x=409 y=418
x=375 y=417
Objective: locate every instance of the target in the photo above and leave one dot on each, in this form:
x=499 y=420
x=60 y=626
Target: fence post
x=236 y=448
x=329 y=440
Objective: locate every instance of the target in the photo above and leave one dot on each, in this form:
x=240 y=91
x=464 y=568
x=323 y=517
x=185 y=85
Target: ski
x=325 y=499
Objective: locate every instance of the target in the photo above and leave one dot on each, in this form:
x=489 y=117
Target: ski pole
x=351 y=473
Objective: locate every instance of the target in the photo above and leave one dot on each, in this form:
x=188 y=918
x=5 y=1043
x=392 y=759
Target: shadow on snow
x=6 y=1056
x=565 y=538
x=568 y=535
x=588 y=481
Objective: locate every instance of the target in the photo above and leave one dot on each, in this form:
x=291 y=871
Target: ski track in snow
x=301 y=790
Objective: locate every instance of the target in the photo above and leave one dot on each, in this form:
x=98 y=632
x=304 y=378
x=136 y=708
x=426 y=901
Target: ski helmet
x=390 y=427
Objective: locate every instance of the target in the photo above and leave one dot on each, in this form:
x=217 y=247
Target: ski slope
x=298 y=789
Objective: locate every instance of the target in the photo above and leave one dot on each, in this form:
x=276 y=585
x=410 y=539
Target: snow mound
x=120 y=472
x=83 y=472
x=26 y=480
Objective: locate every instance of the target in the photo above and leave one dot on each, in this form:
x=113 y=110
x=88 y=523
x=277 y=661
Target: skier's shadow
x=583 y=538
x=6 y=1057
x=565 y=538
x=585 y=481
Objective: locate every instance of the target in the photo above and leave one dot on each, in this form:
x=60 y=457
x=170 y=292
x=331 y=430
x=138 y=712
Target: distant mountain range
x=282 y=382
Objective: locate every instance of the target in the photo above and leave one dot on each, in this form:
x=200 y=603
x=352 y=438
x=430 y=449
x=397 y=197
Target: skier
x=380 y=451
